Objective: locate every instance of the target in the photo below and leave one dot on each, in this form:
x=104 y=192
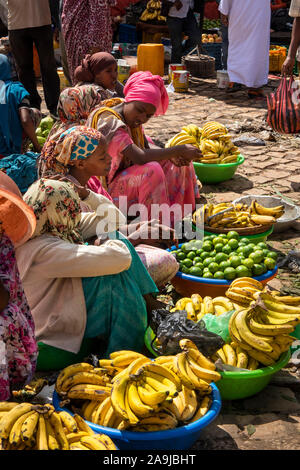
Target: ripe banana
x=194 y=353
x=59 y=430
x=189 y=399
x=203 y=409
x=124 y=358
x=151 y=398
x=230 y=355
x=41 y=435
x=118 y=392
x=69 y=371
x=89 y=392
x=139 y=408
x=258 y=342
x=11 y=416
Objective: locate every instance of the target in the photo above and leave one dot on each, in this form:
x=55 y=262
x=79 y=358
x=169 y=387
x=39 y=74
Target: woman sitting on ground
x=140 y=171
x=58 y=159
x=101 y=69
x=77 y=290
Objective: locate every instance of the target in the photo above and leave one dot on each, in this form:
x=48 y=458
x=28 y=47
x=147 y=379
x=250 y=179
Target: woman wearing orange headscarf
x=140 y=171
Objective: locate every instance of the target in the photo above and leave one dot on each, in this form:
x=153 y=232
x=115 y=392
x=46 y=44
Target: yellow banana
x=247 y=281
x=106 y=440
x=29 y=428
x=124 y=358
x=207 y=375
x=160 y=418
x=139 y=408
x=242 y=358
x=89 y=409
x=274 y=305
x=256 y=341
x=68 y=421
x=261 y=357
x=195 y=354
x=41 y=435
x=262 y=219
x=230 y=355
x=89 y=392
x=221 y=355
x=243 y=300
x=7 y=405
x=153 y=398
x=133 y=419
x=189 y=399
x=52 y=441
x=203 y=409
x=252 y=363
x=75 y=436
x=92 y=443
x=118 y=396
x=176 y=406
x=59 y=431
x=11 y=416
x=101 y=411
x=270 y=211
x=208 y=305
x=272 y=330
x=160 y=383
x=15 y=433
x=159 y=369
x=82 y=425
x=288 y=300
x=82 y=378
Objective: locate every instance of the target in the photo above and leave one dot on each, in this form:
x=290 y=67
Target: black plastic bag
x=170 y=328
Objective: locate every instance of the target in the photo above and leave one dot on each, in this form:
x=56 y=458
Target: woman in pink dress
x=140 y=171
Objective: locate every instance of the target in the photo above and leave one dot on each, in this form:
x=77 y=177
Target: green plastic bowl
x=238 y=385
x=212 y=173
x=256 y=238
x=51 y=358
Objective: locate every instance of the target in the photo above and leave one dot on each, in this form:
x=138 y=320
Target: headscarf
x=57 y=209
x=11 y=95
x=91 y=65
x=147 y=88
x=76 y=143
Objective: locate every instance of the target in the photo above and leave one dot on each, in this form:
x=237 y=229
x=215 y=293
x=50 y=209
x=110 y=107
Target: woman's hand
x=287 y=67
x=186 y=154
x=155 y=234
x=81 y=190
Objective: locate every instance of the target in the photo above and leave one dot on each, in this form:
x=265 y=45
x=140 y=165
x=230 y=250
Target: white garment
x=182 y=13
x=249 y=40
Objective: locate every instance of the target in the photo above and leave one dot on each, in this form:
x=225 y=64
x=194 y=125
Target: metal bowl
x=285 y=222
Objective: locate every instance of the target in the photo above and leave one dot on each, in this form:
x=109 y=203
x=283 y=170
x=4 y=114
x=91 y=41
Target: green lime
x=265 y=269
x=233 y=234
x=233 y=243
x=180 y=255
x=213 y=253
x=221 y=257
x=206 y=238
x=257 y=256
x=252 y=246
x=270 y=263
x=188 y=263
x=184 y=247
x=248 y=262
x=207 y=246
x=257 y=269
x=191 y=255
x=207 y=261
x=262 y=246
x=195 y=271
x=198 y=244
x=199 y=252
x=219 y=247
x=196 y=260
x=218 y=240
x=223 y=265
x=208 y=275
x=240 y=249
x=226 y=249
x=199 y=265
x=272 y=254
x=245 y=240
x=229 y=273
x=213 y=267
x=223 y=235
x=246 y=251
x=206 y=270
x=265 y=252
x=242 y=271
x=219 y=275
x=184 y=269
x=235 y=261
x=204 y=255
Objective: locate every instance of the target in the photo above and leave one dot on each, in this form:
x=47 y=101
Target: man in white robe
x=249 y=43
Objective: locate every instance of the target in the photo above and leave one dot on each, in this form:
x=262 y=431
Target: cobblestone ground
x=271 y=419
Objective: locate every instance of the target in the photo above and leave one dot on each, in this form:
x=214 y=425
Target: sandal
x=255 y=93
x=233 y=87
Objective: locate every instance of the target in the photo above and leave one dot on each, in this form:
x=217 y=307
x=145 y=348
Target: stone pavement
x=271 y=419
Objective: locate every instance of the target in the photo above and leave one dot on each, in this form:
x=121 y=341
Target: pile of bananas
x=144 y=395
x=233 y=355
x=263 y=329
x=153 y=12
x=242 y=290
x=212 y=139
x=24 y=426
x=228 y=215
x=196 y=306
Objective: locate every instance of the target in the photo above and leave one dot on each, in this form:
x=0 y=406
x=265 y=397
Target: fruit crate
x=214 y=50
x=277 y=56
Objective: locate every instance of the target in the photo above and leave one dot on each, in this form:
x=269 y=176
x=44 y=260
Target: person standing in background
x=249 y=43
x=29 y=23
x=181 y=19
x=87 y=28
x=294 y=49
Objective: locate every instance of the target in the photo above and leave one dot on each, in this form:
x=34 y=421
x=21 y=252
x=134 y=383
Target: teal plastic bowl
x=212 y=173
x=238 y=385
x=181 y=438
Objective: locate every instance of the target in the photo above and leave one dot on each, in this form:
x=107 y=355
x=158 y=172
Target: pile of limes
x=225 y=256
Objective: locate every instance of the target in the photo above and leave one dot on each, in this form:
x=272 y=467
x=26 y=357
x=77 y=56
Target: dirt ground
x=270 y=419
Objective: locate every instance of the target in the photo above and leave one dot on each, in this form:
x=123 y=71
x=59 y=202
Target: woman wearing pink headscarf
x=141 y=171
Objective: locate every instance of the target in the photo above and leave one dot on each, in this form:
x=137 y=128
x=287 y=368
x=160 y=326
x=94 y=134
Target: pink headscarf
x=147 y=88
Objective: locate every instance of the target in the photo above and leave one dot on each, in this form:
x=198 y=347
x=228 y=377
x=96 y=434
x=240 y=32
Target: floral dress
x=18 y=348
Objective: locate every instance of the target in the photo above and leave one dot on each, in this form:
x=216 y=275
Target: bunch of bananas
x=242 y=290
x=228 y=215
x=24 y=426
x=145 y=395
x=233 y=355
x=153 y=12
x=263 y=330
x=196 y=306
x=182 y=138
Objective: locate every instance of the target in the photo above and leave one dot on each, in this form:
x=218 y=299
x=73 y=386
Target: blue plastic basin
x=180 y=438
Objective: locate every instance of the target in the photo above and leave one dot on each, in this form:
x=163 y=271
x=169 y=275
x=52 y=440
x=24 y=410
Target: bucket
x=222 y=79
x=123 y=71
x=180 y=80
x=173 y=67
